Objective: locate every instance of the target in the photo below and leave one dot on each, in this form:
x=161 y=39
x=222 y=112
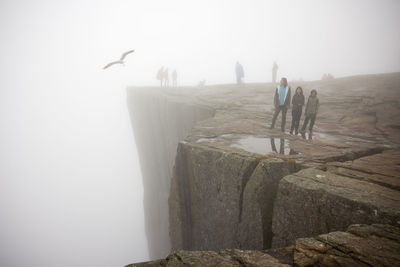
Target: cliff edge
x=233 y=183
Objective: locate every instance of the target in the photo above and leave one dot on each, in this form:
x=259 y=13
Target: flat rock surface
x=356 y=114
x=360 y=245
x=226 y=258
x=382 y=168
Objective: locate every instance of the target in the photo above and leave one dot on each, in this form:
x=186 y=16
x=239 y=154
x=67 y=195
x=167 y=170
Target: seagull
x=121 y=60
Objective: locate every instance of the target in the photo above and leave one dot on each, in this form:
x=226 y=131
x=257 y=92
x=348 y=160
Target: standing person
x=239 y=73
x=274 y=72
x=166 y=78
x=281 y=102
x=174 y=78
x=311 y=112
x=297 y=108
x=160 y=75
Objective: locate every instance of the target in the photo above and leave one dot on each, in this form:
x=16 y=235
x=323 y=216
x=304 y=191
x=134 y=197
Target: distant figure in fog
x=160 y=75
x=311 y=112
x=174 y=78
x=297 y=108
x=202 y=83
x=281 y=102
x=166 y=78
x=274 y=72
x=239 y=73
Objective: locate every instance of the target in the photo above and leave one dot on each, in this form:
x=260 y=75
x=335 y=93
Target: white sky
x=70 y=185
x=203 y=39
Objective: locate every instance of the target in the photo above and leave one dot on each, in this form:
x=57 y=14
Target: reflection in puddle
x=265 y=145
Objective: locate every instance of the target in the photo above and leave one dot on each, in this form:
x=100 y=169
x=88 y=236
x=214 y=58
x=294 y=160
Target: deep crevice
x=246 y=177
x=267 y=199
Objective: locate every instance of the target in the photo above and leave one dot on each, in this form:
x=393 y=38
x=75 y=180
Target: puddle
x=265 y=145
x=210 y=140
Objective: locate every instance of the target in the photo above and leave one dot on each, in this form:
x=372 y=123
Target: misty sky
x=70 y=184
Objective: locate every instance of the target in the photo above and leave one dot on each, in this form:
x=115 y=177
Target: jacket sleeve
x=307 y=106
x=276 y=100
x=316 y=110
x=302 y=101
x=289 y=97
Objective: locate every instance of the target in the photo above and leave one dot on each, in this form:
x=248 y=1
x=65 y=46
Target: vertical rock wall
x=222 y=199
x=158 y=125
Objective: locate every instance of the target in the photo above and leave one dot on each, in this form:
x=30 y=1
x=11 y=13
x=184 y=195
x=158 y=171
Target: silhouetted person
x=174 y=78
x=281 y=102
x=166 y=78
x=297 y=108
x=311 y=112
x=274 y=72
x=160 y=75
x=239 y=73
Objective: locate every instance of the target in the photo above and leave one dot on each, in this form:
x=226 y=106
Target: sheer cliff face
x=221 y=199
x=159 y=123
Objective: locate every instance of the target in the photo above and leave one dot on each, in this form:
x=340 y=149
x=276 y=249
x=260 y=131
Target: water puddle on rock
x=265 y=145
x=212 y=139
x=209 y=140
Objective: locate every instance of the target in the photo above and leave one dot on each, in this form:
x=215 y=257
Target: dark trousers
x=277 y=110
x=296 y=115
x=311 y=117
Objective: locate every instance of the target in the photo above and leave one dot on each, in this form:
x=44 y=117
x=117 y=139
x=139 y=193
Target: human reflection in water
x=281 y=147
x=304 y=135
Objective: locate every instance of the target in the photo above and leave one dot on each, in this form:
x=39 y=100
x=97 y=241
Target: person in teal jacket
x=281 y=102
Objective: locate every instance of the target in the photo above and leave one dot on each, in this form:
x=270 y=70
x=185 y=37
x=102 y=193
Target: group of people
x=282 y=100
x=163 y=77
x=240 y=72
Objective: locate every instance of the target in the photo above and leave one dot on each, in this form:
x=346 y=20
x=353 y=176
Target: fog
x=70 y=183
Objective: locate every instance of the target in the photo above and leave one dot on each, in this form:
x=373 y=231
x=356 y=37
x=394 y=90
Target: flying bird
x=120 y=61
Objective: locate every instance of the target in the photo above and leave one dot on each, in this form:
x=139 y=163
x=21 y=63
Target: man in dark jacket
x=281 y=102
x=297 y=108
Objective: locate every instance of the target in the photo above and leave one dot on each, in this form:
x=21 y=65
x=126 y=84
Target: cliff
x=231 y=182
